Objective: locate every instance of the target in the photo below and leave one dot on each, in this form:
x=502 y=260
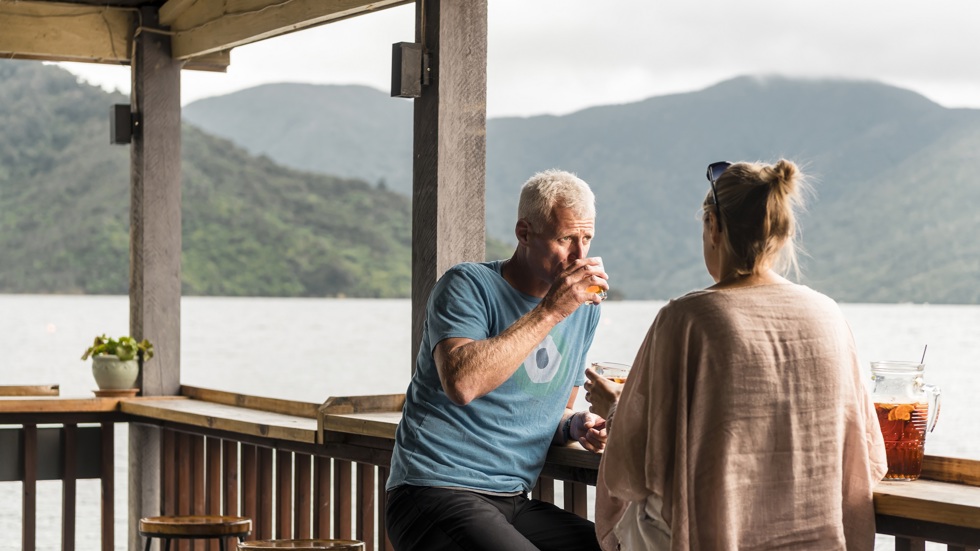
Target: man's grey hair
x=551 y=189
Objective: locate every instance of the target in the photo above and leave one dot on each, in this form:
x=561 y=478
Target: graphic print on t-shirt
x=543 y=362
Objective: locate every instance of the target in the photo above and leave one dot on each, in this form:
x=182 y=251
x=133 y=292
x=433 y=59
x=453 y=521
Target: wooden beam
x=449 y=170
x=53 y=31
x=216 y=62
x=205 y=27
x=155 y=222
x=170 y=10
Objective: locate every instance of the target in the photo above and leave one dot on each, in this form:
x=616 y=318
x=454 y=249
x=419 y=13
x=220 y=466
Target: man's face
x=562 y=241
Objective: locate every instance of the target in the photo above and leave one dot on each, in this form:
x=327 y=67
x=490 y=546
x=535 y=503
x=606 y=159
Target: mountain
x=893 y=174
x=251 y=227
x=347 y=131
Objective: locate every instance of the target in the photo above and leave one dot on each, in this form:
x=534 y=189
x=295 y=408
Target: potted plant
x=116 y=362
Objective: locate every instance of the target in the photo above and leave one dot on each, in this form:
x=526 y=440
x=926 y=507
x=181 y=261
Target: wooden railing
x=302 y=470
x=58 y=439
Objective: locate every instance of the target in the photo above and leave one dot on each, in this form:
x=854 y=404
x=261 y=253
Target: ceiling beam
x=203 y=27
x=55 y=31
x=217 y=62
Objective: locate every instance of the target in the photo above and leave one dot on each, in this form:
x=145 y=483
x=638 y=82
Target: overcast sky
x=559 y=56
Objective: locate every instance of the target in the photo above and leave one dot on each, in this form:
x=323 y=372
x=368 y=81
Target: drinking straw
x=924 y=348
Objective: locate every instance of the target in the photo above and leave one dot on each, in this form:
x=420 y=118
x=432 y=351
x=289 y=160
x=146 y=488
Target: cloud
x=557 y=56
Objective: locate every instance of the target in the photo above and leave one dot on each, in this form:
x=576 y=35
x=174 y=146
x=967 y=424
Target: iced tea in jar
x=907 y=409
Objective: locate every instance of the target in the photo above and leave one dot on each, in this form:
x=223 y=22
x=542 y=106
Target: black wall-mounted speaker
x=120 y=124
x=406 y=70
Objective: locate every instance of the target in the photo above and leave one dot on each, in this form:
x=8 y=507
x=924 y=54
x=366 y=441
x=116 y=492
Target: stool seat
x=305 y=545
x=194 y=527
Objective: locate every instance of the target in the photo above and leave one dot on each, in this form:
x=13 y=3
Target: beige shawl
x=746 y=415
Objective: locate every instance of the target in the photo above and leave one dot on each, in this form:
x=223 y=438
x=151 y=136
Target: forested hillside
x=892 y=173
x=893 y=177
x=250 y=226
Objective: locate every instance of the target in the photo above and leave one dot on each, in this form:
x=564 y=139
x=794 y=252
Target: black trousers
x=433 y=519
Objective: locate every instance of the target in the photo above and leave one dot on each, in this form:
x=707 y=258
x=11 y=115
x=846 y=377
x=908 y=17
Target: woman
x=744 y=423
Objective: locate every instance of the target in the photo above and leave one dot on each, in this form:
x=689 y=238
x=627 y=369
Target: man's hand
x=571 y=287
x=589 y=430
x=600 y=392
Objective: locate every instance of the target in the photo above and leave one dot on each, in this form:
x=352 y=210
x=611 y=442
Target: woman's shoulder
x=700 y=302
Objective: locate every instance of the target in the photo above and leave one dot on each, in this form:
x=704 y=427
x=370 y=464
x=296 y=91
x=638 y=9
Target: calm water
x=311 y=349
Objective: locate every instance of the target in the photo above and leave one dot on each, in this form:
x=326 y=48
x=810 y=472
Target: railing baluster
x=250 y=486
x=544 y=490
x=266 y=509
x=29 y=488
x=302 y=504
x=342 y=499
x=229 y=481
x=185 y=485
x=168 y=478
x=322 y=497
x=198 y=501
x=68 y=486
x=576 y=498
x=384 y=543
x=284 y=494
x=365 y=504
x=909 y=544
x=212 y=450
x=108 y=475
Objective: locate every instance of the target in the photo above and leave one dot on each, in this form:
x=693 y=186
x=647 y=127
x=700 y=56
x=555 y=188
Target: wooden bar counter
x=942 y=506
x=946 y=497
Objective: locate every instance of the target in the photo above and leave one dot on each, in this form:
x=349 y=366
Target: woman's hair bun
x=785 y=176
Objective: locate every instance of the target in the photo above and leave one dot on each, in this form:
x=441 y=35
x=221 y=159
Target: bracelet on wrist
x=566 y=429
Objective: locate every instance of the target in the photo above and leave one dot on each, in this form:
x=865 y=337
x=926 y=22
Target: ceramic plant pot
x=111 y=373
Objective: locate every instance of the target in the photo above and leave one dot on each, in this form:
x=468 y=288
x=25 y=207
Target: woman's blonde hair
x=758 y=204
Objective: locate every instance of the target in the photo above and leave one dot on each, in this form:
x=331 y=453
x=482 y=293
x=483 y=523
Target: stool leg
x=221 y=544
x=148 y=541
x=166 y=546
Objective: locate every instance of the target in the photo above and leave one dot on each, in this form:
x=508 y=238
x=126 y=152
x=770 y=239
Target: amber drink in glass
x=615 y=372
x=595 y=288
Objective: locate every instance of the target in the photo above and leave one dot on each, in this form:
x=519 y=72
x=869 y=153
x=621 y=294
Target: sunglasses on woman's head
x=715 y=171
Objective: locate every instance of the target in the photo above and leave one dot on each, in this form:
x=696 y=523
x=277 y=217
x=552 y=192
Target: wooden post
x=155 y=246
x=155 y=240
x=449 y=172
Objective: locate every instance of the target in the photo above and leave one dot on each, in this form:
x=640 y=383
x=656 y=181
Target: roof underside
x=203 y=32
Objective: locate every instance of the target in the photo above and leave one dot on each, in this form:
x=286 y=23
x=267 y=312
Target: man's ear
x=523 y=231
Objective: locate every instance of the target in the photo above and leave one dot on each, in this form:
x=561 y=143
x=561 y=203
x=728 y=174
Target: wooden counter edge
x=273 y=430
x=57 y=404
x=916 y=502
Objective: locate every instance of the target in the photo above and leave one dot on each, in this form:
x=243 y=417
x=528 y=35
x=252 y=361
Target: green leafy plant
x=124 y=348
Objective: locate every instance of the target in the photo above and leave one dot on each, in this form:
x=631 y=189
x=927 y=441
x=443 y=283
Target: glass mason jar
x=907 y=409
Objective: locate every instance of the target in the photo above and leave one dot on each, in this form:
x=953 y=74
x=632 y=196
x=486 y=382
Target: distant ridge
x=347 y=131
x=895 y=179
x=892 y=172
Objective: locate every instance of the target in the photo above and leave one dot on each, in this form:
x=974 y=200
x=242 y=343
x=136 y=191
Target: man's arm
x=469 y=369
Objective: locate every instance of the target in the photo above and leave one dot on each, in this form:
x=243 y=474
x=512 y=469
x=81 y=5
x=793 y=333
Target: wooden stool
x=194 y=527
x=305 y=545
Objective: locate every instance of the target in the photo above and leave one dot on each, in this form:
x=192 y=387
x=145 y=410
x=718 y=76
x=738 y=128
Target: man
x=502 y=356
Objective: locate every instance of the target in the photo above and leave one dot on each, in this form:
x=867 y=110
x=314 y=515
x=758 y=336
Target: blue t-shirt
x=498 y=442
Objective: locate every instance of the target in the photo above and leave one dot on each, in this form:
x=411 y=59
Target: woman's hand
x=589 y=430
x=601 y=393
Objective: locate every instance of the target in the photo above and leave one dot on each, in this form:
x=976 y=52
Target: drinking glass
x=595 y=288
x=615 y=372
